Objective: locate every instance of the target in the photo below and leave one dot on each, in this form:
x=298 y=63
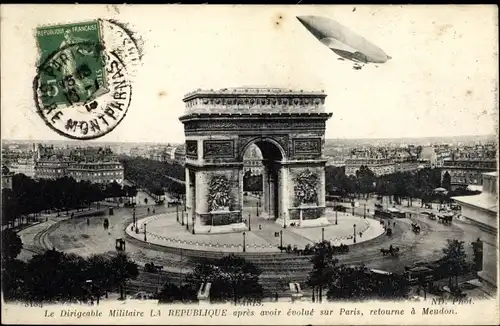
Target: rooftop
x=251 y=100
x=484 y=200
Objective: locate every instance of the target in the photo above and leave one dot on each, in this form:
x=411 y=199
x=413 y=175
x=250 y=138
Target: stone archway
x=288 y=127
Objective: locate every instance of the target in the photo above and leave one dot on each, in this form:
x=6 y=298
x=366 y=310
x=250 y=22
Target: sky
x=442 y=79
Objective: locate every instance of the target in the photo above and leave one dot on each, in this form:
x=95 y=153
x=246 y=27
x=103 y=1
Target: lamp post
x=364 y=212
x=193 y=224
x=354 y=227
x=336 y=218
x=322 y=234
x=258 y=202
x=281 y=239
x=145 y=238
x=249 y=222
x=244 y=245
x=177 y=211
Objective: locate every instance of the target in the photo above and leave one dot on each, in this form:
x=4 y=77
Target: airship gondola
x=345 y=43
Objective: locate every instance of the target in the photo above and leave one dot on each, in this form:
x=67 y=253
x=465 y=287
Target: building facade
x=482 y=211
x=464 y=173
x=379 y=166
x=24 y=166
x=6 y=178
x=97 y=172
x=51 y=168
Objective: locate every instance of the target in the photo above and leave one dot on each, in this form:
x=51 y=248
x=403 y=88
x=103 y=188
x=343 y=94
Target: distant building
x=429 y=154
x=379 y=166
x=252 y=160
x=97 y=172
x=51 y=168
x=335 y=161
x=24 y=166
x=464 y=173
x=180 y=154
x=482 y=211
x=6 y=178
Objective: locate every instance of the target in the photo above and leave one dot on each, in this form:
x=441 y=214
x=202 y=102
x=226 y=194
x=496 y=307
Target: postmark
x=83 y=87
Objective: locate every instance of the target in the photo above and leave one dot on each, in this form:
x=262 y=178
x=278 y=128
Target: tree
x=359 y=283
x=324 y=267
x=171 y=293
x=122 y=269
x=231 y=277
x=454 y=260
x=13 y=280
x=10 y=208
x=446 y=182
x=11 y=245
x=477 y=249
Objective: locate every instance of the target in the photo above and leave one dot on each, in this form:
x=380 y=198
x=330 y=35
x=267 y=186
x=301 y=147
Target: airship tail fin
x=389 y=57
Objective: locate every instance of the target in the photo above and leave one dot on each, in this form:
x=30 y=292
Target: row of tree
x=59 y=277
x=410 y=184
x=29 y=197
x=154 y=176
x=359 y=283
x=232 y=278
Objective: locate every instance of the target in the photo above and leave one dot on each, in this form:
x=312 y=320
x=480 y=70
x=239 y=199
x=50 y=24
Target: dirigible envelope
x=343 y=41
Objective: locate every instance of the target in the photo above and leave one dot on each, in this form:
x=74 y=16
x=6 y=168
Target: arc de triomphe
x=288 y=126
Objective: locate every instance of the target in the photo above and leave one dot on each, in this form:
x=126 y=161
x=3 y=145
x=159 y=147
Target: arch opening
x=261 y=181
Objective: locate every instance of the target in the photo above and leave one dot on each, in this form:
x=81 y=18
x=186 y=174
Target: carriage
x=393 y=251
x=445 y=218
x=415 y=227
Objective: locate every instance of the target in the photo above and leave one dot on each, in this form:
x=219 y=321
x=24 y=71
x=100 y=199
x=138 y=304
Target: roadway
x=76 y=236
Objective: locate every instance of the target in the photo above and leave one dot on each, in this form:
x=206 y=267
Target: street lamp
x=281 y=240
x=258 y=202
x=354 y=227
x=145 y=239
x=177 y=211
x=322 y=234
x=249 y=223
x=134 y=222
x=364 y=213
x=193 y=223
x=336 y=218
x=244 y=245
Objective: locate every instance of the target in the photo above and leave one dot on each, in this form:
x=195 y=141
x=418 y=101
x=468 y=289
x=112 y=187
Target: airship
x=345 y=43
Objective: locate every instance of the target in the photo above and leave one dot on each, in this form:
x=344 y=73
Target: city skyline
x=413 y=95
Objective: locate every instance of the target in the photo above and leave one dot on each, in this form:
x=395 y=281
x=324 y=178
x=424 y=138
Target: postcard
x=253 y=165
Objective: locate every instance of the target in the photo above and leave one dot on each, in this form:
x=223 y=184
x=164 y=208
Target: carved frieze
x=219 y=193
x=306 y=146
x=236 y=125
x=305 y=189
x=218 y=149
x=192 y=148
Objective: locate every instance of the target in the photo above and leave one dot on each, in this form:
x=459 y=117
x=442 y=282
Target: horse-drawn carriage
x=393 y=251
x=415 y=227
x=445 y=218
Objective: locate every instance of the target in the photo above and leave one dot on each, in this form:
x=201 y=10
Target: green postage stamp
x=72 y=61
x=83 y=84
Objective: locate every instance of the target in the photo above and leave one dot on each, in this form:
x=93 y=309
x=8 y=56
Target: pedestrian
x=88 y=221
x=153 y=210
x=260 y=227
x=276 y=296
x=394 y=224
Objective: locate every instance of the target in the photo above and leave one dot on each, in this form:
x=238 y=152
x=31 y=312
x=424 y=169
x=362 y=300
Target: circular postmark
x=83 y=87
